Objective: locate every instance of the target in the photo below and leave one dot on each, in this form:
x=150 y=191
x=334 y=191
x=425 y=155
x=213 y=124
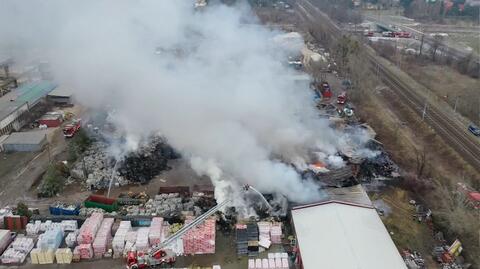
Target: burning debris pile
x=148 y=161
x=378 y=166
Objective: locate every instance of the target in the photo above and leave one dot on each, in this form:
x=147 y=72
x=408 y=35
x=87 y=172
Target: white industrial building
x=345 y=234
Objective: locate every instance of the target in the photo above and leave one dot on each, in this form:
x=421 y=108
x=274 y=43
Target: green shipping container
x=96 y=201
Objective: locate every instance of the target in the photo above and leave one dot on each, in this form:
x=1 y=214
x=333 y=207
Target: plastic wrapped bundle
x=69 y=225
x=258 y=263
x=34 y=255
x=142 y=239
x=45 y=225
x=118 y=243
x=64 y=255
x=265 y=263
x=85 y=250
x=264 y=230
x=271 y=263
x=103 y=238
x=251 y=264
x=201 y=239
x=5 y=238
x=285 y=263
x=71 y=239
x=14 y=256
x=131 y=236
x=33 y=228
x=276 y=233
x=155 y=231
x=51 y=239
x=24 y=244
x=89 y=228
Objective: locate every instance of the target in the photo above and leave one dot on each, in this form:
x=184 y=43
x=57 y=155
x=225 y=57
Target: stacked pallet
x=264 y=230
x=5 y=239
x=252 y=237
x=89 y=228
x=201 y=239
x=103 y=238
x=33 y=228
x=276 y=233
x=39 y=256
x=155 y=231
x=118 y=243
x=241 y=239
x=131 y=237
x=71 y=239
x=85 y=251
x=142 y=239
x=270 y=263
x=51 y=239
x=17 y=251
x=64 y=255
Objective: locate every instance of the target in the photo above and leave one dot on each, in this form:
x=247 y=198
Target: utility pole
x=424 y=111
x=455 y=106
x=421 y=45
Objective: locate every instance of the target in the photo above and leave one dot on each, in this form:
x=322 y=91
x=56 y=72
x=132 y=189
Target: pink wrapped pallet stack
x=200 y=240
x=276 y=233
x=89 y=229
x=103 y=238
x=142 y=239
x=155 y=232
x=264 y=230
x=85 y=251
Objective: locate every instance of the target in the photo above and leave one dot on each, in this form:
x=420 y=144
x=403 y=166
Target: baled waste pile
x=148 y=161
x=98 y=167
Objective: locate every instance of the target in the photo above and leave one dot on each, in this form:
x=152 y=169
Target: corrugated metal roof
x=342 y=235
x=33 y=92
x=61 y=92
x=33 y=137
x=29 y=93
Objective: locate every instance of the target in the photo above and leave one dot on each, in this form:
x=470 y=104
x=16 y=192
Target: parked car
x=474 y=129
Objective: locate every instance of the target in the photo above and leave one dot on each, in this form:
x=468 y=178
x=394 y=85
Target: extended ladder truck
x=160 y=255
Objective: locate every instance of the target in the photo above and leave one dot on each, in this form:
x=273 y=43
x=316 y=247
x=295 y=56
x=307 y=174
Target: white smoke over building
x=216 y=88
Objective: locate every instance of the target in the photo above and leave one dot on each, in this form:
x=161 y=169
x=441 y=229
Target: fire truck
x=342 y=98
x=160 y=255
x=72 y=128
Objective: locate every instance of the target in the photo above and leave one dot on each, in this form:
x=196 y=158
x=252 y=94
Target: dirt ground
x=449 y=84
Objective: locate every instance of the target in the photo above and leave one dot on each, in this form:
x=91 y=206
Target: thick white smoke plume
x=209 y=81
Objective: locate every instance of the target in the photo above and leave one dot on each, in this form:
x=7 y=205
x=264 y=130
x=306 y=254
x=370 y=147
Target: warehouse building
x=15 y=105
x=25 y=141
x=343 y=234
x=61 y=96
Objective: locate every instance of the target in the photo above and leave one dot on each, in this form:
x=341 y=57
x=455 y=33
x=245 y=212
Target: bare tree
x=436 y=44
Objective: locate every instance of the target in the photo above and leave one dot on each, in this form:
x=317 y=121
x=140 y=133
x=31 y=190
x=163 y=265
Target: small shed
x=61 y=96
x=25 y=141
x=51 y=120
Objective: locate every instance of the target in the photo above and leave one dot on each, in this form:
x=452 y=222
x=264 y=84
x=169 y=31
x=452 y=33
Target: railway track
x=450 y=129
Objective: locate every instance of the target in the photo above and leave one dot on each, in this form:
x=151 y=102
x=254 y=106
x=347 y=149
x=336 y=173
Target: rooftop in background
x=343 y=235
x=29 y=93
x=61 y=92
x=33 y=137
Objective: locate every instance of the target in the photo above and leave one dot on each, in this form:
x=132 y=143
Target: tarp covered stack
x=89 y=229
x=201 y=239
x=118 y=243
x=103 y=238
x=155 y=232
x=241 y=239
x=142 y=239
x=17 y=251
x=5 y=238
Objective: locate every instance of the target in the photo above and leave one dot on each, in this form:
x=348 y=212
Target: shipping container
x=107 y=204
x=15 y=222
